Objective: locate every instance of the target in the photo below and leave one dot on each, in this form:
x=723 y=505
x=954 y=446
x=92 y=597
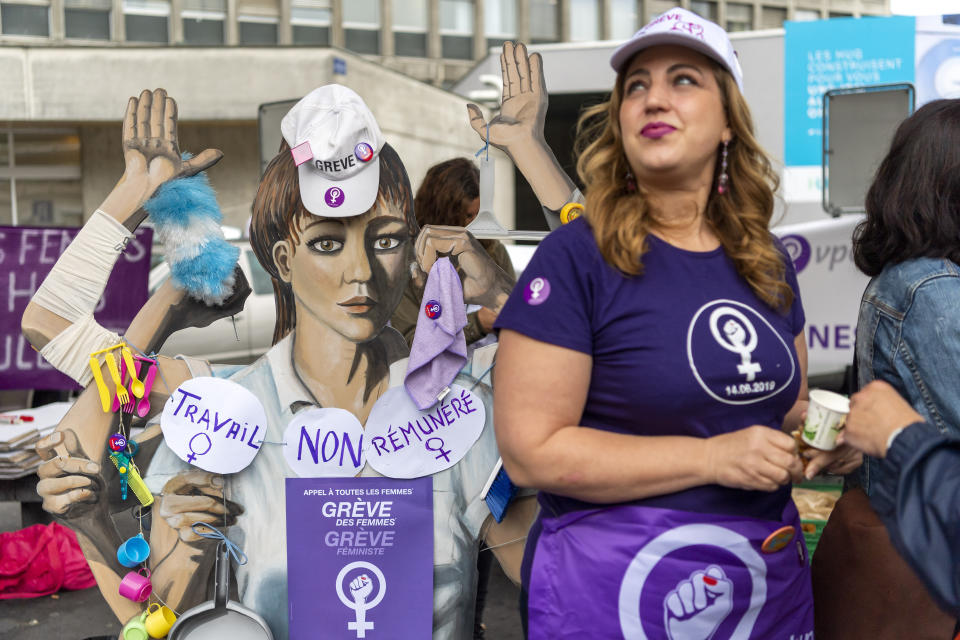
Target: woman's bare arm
x=543 y=446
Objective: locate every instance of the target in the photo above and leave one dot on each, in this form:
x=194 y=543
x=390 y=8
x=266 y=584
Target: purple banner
x=26 y=256
x=360 y=558
x=669 y=575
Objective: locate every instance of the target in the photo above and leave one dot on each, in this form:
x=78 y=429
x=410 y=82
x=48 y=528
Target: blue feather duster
x=186 y=219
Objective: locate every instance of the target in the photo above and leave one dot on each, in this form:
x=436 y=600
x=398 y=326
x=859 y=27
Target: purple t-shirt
x=686 y=348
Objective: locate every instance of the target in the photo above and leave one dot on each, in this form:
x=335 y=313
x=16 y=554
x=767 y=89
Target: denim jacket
x=908 y=334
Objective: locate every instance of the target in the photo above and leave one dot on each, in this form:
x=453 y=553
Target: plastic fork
x=122 y=394
x=125 y=375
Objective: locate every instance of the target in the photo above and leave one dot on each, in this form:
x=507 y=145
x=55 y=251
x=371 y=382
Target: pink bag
x=41 y=560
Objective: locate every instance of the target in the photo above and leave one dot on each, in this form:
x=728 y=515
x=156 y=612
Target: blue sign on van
x=833 y=54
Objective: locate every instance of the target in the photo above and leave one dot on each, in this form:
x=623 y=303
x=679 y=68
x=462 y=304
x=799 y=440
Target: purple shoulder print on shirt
x=537 y=291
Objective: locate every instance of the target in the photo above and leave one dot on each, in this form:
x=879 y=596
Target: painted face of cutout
x=350 y=273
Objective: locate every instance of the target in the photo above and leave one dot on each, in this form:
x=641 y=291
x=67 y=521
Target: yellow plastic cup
x=159 y=620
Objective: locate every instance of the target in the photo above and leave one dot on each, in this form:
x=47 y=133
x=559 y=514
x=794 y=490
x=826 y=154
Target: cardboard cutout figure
x=337 y=280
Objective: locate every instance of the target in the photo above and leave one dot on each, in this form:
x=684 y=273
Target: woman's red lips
x=656 y=130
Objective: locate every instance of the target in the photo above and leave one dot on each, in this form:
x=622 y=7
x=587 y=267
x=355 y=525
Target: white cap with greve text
x=335 y=142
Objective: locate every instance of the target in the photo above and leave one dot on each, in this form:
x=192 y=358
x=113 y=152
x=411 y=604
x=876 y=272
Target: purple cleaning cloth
x=439 y=349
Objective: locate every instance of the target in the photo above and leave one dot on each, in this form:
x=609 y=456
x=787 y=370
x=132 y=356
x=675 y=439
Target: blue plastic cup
x=134 y=551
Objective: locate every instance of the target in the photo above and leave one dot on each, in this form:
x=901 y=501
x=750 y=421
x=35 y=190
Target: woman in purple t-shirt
x=651 y=356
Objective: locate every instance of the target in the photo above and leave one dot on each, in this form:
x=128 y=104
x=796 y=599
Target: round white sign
x=214 y=424
x=324 y=443
x=403 y=442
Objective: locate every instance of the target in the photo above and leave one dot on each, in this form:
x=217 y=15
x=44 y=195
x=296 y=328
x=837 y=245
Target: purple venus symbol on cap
x=333 y=197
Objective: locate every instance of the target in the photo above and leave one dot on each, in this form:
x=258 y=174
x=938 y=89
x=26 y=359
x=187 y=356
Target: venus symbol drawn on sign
x=441 y=452
x=737 y=337
x=193 y=452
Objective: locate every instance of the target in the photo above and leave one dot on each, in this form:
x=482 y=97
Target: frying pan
x=220 y=619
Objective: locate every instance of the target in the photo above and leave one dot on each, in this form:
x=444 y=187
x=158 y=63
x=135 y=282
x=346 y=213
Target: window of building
x=622 y=19
x=410 y=28
x=147 y=20
x=584 y=20
x=772 y=17
x=456 y=29
x=840 y=14
x=805 y=15
x=739 y=17
x=703 y=9
x=25 y=19
x=256 y=30
x=257 y=21
x=544 y=21
x=361 y=26
x=87 y=19
x=500 y=21
x=40 y=177
x=203 y=21
x=311 y=22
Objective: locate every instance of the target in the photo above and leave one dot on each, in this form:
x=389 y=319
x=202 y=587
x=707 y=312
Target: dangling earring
x=724 y=178
x=630 y=183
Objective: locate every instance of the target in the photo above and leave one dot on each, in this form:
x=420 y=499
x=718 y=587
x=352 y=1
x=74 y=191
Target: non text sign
x=324 y=443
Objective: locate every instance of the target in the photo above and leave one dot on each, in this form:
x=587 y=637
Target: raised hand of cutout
x=695 y=609
x=150 y=146
x=518 y=129
x=524 y=101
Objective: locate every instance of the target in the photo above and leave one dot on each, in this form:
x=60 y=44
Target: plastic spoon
x=136 y=387
x=143 y=405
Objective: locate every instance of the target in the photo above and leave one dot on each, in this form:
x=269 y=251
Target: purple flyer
x=27 y=254
x=360 y=558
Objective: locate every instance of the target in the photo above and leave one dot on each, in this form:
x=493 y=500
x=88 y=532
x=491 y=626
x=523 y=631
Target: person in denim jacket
x=908 y=332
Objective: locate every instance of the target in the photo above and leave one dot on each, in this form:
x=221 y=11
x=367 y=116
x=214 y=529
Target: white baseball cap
x=687 y=29
x=335 y=142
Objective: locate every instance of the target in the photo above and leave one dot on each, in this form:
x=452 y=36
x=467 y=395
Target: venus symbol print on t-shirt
x=735 y=355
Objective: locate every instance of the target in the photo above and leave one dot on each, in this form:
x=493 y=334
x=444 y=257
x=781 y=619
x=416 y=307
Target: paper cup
x=825 y=419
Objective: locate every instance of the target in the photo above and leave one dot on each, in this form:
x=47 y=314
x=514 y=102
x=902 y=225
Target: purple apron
x=645 y=573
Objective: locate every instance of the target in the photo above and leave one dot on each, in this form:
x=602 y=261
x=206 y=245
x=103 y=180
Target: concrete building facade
x=67 y=68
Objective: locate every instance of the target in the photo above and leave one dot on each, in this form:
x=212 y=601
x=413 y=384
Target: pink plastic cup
x=136 y=586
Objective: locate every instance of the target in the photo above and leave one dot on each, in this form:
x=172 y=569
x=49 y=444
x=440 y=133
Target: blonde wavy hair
x=740 y=218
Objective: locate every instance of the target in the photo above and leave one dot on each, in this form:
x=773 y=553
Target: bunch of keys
x=129 y=476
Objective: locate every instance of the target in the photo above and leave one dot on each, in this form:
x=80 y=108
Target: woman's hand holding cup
x=756 y=458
